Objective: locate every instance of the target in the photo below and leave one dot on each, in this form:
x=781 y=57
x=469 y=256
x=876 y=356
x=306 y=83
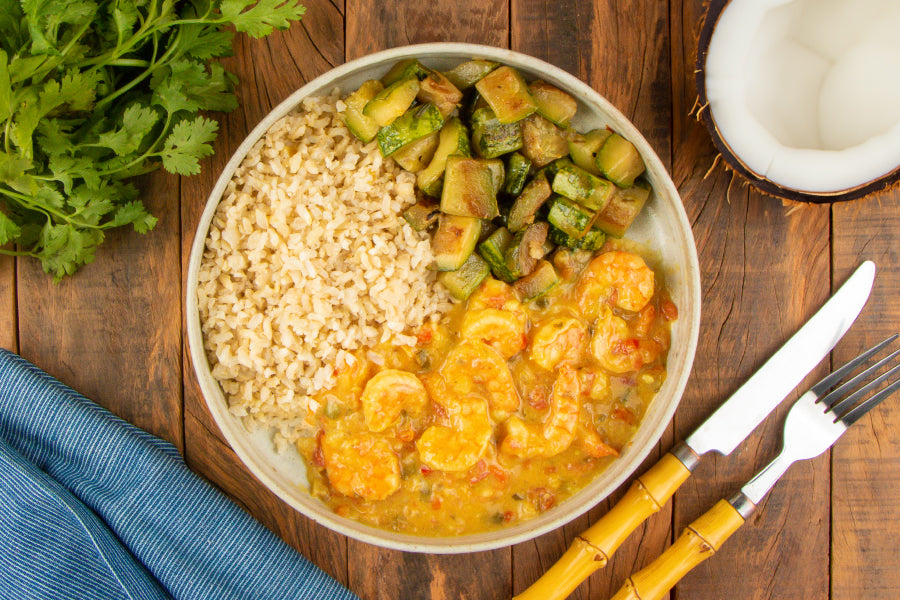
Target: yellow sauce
x=502 y=410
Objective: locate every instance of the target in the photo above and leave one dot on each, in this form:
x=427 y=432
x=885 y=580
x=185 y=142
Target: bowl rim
x=228 y=424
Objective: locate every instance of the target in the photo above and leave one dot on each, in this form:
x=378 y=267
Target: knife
x=727 y=427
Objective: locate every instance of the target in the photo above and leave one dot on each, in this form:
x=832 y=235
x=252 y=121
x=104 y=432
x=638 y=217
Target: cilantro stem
x=48 y=211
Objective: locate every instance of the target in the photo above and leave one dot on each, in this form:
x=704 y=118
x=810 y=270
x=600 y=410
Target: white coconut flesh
x=806 y=93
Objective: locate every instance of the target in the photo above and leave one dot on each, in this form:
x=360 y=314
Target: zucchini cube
x=465 y=280
x=417 y=122
x=577 y=184
x=363 y=127
x=620 y=161
x=469 y=189
x=622 y=209
x=454 y=240
x=505 y=91
x=491 y=138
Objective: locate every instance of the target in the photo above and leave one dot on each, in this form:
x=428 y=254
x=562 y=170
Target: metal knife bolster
x=732 y=422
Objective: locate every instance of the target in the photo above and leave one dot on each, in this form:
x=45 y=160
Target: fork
x=814 y=424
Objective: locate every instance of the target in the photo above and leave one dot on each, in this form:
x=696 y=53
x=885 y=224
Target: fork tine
x=829 y=380
x=844 y=405
x=837 y=396
x=854 y=414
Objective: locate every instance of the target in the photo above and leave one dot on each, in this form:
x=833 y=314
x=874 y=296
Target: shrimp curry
x=503 y=409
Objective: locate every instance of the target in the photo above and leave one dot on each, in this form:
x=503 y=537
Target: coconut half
x=802 y=97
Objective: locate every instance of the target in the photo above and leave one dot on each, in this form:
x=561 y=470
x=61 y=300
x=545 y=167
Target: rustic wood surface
x=115 y=331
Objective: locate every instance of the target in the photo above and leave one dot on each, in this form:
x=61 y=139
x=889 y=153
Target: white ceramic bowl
x=662 y=226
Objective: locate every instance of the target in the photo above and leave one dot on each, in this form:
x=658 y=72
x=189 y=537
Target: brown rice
x=307 y=260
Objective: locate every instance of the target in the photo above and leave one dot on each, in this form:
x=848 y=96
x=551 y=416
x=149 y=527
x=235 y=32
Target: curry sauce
x=502 y=409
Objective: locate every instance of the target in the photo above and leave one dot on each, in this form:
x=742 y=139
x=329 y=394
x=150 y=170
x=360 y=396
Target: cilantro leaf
x=13 y=172
x=189 y=141
x=188 y=86
x=204 y=42
x=62 y=248
x=134 y=214
x=137 y=123
x=9 y=230
x=264 y=16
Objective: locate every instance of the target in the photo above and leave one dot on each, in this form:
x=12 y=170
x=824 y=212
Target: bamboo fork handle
x=593 y=548
x=700 y=540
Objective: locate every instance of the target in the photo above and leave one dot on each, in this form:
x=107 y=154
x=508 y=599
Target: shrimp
x=473 y=367
x=558 y=340
x=390 y=393
x=616 y=348
x=360 y=465
x=593 y=445
x=555 y=435
x=622 y=277
x=460 y=446
x=503 y=330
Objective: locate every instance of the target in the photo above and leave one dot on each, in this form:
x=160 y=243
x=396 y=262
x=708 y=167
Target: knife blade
x=732 y=422
x=727 y=427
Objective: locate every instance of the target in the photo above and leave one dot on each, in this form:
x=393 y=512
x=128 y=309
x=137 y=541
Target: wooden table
x=115 y=331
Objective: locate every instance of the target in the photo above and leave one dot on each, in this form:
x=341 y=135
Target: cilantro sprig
x=95 y=92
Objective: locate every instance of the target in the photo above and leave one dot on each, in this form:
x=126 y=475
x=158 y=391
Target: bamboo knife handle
x=593 y=548
x=700 y=540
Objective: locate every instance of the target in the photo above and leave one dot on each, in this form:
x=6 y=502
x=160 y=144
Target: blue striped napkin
x=92 y=507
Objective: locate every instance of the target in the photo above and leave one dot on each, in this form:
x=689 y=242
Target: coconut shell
x=714 y=10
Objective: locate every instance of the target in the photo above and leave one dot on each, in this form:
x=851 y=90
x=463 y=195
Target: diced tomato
x=542 y=498
x=425 y=470
x=508 y=516
x=620 y=413
x=424 y=335
x=669 y=310
x=537 y=400
x=499 y=473
x=318 y=457
x=436 y=503
x=478 y=472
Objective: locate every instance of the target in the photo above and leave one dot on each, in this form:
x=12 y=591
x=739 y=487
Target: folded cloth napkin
x=92 y=507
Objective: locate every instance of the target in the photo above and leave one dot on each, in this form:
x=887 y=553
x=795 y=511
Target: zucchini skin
x=570 y=217
x=517 y=169
x=392 y=101
x=527 y=204
x=577 y=184
x=465 y=280
x=359 y=124
x=491 y=138
x=417 y=122
x=493 y=249
x=537 y=283
x=467 y=74
x=453 y=140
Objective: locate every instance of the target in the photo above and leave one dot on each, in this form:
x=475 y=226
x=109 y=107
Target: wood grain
x=9 y=320
x=866 y=460
x=764 y=271
x=375 y=572
x=112 y=331
x=269 y=70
